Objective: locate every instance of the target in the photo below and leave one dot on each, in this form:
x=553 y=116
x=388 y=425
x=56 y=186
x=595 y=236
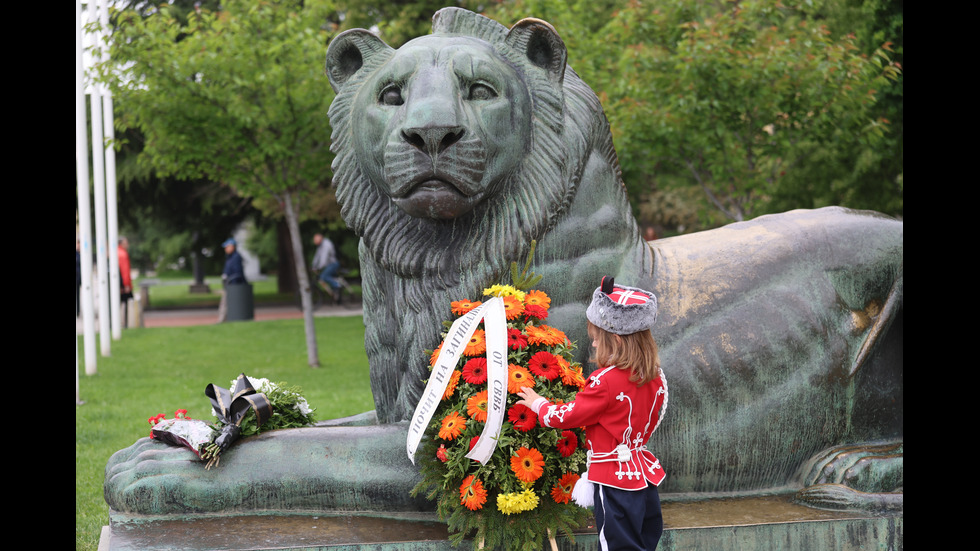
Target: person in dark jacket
x=234 y=272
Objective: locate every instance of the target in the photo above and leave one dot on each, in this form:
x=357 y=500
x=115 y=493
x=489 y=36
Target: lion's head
x=452 y=149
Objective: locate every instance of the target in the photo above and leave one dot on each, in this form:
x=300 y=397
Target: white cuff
x=536 y=406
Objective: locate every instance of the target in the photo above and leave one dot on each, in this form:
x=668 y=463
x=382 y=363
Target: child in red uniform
x=620 y=407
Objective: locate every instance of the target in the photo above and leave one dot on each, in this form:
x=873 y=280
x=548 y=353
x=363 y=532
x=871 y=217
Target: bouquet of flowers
x=521 y=495
x=250 y=406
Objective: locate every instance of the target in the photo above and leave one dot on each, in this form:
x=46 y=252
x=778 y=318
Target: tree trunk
x=286 y=265
x=303 y=276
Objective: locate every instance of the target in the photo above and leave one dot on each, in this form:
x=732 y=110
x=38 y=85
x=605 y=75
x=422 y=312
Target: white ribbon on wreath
x=495 y=326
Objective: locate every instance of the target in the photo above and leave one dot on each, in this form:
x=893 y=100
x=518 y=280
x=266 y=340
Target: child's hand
x=528 y=396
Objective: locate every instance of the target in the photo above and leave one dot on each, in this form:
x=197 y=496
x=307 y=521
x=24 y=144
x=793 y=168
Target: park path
x=209 y=316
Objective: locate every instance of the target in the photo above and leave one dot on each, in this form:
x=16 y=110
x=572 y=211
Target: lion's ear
x=540 y=42
x=349 y=51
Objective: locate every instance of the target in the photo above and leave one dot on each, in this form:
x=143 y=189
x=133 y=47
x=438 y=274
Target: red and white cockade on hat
x=622 y=310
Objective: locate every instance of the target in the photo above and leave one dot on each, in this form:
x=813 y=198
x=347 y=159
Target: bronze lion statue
x=781 y=337
x=458 y=149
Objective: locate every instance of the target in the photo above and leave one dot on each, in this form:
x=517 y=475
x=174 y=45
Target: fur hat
x=622 y=310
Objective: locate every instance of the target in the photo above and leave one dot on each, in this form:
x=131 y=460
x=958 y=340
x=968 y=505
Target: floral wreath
x=521 y=496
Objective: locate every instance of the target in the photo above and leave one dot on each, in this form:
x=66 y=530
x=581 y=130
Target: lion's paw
x=840 y=497
x=866 y=477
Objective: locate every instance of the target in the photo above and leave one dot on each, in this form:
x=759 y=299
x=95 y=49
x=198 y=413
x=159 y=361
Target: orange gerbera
x=476 y=406
x=477 y=345
x=527 y=464
x=562 y=492
x=544 y=335
x=537 y=298
x=435 y=355
x=452 y=426
x=451 y=386
x=513 y=307
x=571 y=375
x=472 y=494
x=517 y=378
x=462 y=307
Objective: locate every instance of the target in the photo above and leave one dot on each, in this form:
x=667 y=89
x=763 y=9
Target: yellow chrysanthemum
x=517 y=502
x=498 y=290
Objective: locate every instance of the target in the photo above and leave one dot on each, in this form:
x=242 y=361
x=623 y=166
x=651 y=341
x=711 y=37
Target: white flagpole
x=112 y=207
x=101 y=239
x=84 y=214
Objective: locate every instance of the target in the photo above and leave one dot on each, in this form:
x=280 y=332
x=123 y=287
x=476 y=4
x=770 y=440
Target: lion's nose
x=435 y=139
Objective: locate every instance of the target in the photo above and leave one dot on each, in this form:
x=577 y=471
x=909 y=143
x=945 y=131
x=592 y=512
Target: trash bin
x=240 y=302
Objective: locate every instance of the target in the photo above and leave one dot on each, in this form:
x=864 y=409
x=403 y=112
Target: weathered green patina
x=781 y=337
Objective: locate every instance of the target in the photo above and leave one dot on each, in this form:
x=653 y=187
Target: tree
x=756 y=102
x=235 y=96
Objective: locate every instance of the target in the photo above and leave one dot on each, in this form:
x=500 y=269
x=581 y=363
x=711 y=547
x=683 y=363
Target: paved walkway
x=209 y=316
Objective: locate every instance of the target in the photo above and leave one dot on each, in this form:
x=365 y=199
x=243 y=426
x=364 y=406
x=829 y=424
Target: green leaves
x=735 y=98
x=236 y=96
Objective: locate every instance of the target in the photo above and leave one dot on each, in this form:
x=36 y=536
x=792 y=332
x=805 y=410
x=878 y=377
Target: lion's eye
x=392 y=96
x=480 y=91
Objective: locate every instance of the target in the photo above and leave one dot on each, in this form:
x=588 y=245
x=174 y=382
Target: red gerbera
x=472 y=494
x=544 y=364
x=535 y=311
x=462 y=307
x=567 y=443
x=518 y=378
x=515 y=339
x=476 y=406
x=475 y=371
x=562 y=492
x=522 y=417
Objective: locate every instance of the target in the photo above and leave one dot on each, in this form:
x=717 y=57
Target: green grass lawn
x=160 y=370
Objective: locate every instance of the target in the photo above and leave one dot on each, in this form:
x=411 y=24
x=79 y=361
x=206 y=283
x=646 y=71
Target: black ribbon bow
x=232 y=406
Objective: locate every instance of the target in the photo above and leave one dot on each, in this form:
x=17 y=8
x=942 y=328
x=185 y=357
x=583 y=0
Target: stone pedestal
x=735 y=524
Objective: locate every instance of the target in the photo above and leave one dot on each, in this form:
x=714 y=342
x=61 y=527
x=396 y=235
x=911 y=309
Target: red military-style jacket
x=619 y=418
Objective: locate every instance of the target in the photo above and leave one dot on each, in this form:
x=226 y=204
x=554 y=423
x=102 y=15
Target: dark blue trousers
x=628 y=520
